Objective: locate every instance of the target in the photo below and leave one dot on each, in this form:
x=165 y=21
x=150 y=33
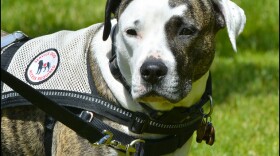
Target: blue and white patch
x=42 y=67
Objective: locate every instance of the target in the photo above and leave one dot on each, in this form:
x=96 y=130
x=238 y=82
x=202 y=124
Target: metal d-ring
x=89 y=114
x=130 y=148
x=208 y=115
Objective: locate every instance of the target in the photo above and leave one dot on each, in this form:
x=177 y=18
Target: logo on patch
x=42 y=67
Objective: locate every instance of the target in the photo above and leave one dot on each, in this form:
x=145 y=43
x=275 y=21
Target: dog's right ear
x=111 y=7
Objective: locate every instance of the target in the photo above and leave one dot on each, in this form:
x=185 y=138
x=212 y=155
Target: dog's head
x=164 y=46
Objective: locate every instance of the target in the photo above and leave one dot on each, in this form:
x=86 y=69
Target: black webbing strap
x=151 y=147
x=50 y=107
x=8 y=53
x=137 y=122
x=92 y=130
x=49 y=125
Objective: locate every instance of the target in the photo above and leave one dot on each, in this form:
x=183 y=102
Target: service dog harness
x=47 y=64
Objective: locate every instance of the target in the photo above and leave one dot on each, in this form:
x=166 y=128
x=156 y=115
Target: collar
x=113 y=65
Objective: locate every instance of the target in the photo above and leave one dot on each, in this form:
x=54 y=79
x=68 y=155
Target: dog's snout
x=153 y=71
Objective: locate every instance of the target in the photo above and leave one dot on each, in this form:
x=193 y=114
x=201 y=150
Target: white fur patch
x=102 y=50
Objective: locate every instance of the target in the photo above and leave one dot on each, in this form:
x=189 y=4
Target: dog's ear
x=234 y=19
x=111 y=7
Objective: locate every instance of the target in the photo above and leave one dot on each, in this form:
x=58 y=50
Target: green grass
x=245 y=84
x=246 y=112
x=41 y=17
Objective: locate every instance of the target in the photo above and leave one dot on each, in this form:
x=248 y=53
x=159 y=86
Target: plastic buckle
x=11 y=38
x=139 y=124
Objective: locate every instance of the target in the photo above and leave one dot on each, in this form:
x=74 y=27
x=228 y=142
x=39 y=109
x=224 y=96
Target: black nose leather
x=153 y=71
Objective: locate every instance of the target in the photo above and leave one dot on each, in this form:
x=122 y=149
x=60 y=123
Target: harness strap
x=91 y=130
x=7 y=51
x=49 y=125
x=50 y=107
x=151 y=146
x=137 y=122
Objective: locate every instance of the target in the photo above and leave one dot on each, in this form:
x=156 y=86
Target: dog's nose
x=153 y=71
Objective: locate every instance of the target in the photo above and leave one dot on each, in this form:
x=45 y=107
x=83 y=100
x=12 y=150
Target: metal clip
x=107 y=140
x=131 y=147
x=208 y=115
x=206 y=129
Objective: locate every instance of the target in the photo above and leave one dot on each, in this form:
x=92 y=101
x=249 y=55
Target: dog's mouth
x=155 y=96
x=158 y=102
x=164 y=99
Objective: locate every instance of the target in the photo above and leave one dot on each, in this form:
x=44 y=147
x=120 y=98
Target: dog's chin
x=161 y=97
x=156 y=102
x=160 y=102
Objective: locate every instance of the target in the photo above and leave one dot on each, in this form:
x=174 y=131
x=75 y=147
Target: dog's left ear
x=234 y=17
x=111 y=7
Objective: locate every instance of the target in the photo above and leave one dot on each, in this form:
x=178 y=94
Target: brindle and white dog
x=164 y=50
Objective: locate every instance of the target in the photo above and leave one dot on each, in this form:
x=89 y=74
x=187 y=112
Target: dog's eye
x=186 y=31
x=131 y=32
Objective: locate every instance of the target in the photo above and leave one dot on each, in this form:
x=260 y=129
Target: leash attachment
x=107 y=140
x=206 y=129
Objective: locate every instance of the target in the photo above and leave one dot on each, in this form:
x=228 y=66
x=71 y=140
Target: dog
x=41 y=65
x=163 y=50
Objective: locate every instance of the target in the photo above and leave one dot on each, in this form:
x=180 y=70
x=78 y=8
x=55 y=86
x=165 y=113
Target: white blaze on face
x=148 y=18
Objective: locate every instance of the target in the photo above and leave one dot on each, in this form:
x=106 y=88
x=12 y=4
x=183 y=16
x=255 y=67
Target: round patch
x=42 y=67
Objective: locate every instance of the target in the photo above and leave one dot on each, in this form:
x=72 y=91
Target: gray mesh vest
x=56 y=65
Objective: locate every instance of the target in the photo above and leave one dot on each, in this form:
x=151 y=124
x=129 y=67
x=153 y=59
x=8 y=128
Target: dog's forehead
x=153 y=9
x=197 y=10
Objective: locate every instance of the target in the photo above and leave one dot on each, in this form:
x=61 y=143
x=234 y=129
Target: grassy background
x=245 y=85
